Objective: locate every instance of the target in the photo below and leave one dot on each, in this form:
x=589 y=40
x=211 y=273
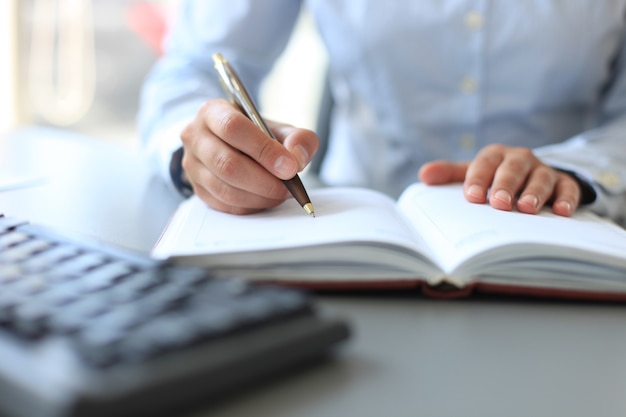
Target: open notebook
x=430 y=237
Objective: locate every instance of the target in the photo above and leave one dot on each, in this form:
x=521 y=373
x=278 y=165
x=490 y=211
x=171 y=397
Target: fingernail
x=530 y=199
x=565 y=205
x=285 y=167
x=302 y=155
x=503 y=196
x=475 y=191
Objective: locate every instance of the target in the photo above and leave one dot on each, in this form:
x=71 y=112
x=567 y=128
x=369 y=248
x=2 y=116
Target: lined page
x=342 y=215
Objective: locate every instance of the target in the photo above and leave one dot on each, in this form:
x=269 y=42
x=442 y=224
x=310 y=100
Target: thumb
x=302 y=143
x=442 y=172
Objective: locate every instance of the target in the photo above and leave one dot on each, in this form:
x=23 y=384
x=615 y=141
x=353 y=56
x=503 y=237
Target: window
x=79 y=65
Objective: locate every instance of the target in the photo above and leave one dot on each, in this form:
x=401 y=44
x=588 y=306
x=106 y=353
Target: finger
x=539 y=188
x=216 y=166
x=442 y=172
x=510 y=176
x=481 y=171
x=302 y=143
x=224 y=196
x=235 y=201
x=567 y=196
x=234 y=128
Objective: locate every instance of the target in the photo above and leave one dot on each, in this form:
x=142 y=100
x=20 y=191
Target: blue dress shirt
x=415 y=81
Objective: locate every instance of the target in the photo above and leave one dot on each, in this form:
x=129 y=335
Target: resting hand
x=515 y=177
x=233 y=166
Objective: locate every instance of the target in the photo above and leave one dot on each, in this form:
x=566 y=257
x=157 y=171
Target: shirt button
x=608 y=179
x=473 y=20
x=468 y=85
x=467 y=142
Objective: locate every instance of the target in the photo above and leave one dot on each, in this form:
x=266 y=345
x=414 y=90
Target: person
x=523 y=102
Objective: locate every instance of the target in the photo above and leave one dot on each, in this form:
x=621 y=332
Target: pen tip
x=309 y=209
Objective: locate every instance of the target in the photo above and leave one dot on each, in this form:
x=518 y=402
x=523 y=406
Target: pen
x=238 y=95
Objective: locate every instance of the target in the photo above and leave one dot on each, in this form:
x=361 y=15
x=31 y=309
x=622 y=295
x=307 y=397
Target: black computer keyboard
x=91 y=330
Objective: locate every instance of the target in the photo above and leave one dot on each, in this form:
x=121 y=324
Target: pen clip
x=236 y=92
x=230 y=96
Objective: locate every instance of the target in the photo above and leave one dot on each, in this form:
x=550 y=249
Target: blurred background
x=79 y=64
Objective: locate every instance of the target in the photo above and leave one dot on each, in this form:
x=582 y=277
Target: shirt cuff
x=177 y=175
x=166 y=162
x=587 y=193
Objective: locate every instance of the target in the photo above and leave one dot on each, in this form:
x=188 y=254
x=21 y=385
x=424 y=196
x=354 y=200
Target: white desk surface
x=409 y=356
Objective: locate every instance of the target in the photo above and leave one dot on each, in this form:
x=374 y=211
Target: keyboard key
x=30 y=283
x=74 y=267
x=9 y=273
x=104 y=276
x=79 y=314
x=12 y=239
x=212 y=320
x=120 y=319
x=29 y=318
x=137 y=284
x=156 y=337
x=187 y=276
x=60 y=295
x=44 y=260
x=18 y=253
x=9 y=223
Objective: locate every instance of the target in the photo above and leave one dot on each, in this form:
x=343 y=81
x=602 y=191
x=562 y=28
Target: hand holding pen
x=234 y=166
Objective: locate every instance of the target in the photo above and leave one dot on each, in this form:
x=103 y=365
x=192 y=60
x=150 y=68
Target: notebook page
x=458 y=230
x=342 y=215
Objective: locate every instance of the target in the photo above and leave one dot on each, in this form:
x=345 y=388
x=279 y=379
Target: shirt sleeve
x=598 y=156
x=251 y=34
